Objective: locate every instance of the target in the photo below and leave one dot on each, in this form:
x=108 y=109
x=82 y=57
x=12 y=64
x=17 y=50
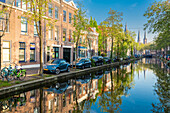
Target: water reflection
x=101 y=91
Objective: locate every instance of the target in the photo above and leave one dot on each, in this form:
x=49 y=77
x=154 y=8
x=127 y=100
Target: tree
x=114 y=26
x=79 y=23
x=158 y=22
x=5 y=14
x=38 y=16
x=102 y=39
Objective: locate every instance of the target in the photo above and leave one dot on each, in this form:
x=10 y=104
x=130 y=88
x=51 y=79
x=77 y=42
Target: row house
x=88 y=43
x=21 y=42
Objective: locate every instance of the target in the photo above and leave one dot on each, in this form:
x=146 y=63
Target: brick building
x=21 y=44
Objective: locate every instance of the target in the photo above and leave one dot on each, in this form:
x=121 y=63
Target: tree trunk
x=41 y=49
x=41 y=100
x=111 y=56
x=0 y=53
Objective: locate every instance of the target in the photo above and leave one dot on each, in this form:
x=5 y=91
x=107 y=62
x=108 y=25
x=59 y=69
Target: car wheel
x=68 y=69
x=82 y=67
x=57 y=71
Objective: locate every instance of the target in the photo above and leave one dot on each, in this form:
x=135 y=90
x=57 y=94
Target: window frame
x=64 y=29
x=50 y=10
x=20 y=48
x=9 y=48
x=34 y=52
x=26 y=24
x=56 y=10
x=70 y=18
x=64 y=16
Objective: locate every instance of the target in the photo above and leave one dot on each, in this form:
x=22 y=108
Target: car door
x=61 y=65
x=86 y=63
x=64 y=65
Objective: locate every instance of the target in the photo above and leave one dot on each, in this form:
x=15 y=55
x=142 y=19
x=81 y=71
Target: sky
x=133 y=11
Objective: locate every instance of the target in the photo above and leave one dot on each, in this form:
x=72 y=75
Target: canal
x=139 y=87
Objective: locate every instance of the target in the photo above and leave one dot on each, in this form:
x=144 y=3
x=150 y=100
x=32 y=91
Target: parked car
x=56 y=66
x=167 y=56
x=83 y=63
x=98 y=60
x=59 y=88
x=107 y=60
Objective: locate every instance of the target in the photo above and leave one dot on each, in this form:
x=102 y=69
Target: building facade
x=20 y=44
x=88 y=46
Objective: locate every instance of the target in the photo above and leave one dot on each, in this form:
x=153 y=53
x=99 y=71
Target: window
x=84 y=90
x=64 y=15
x=24 y=4
x=22 y=52
x=56 y=12
x=74 y=18
x=70 y=17
x=64 y=100
x=56 y=33
x=50 y=33
x=80 y=91
x=50 y=105
x=70 y=36
x=23 y=25
x=32 y=51
x=50 y=11
x=6 y=51
x=17 y=3
x=28 y=6
x=64 y=34
x=96 y=84
x=4 y=20
x=80 y=39
x=35 y=29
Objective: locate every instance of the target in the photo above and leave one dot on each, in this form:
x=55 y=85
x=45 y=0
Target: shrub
x=92 y=63
x=104 y=62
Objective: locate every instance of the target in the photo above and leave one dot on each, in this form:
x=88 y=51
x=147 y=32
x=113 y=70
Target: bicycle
x=6 y=73
x=19 y=73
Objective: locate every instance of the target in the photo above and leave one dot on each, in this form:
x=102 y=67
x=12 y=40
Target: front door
x=67 y=54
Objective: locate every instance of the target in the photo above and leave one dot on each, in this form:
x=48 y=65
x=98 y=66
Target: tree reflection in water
x=104 y=89
x=121 y=82
x=161 y=87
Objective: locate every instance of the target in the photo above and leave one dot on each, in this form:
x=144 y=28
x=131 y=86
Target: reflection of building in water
x=24 y=103
x=63 y=101
x=144 y=73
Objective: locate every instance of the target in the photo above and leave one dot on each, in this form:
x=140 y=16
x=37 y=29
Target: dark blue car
x=56 y=66
x=83 y=63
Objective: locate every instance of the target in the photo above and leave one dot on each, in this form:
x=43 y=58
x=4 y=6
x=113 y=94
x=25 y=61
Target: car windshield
x=82 y=60
x=55 y=62
x=95 y=58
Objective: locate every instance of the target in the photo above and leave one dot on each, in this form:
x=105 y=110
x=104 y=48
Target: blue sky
x=133 y=11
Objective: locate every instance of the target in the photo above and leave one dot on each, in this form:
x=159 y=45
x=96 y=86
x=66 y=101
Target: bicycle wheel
x=22 y=75
x=9 y=78
x=2 y=75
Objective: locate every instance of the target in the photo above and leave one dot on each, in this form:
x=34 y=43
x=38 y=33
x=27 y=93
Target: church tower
x=145 y=39
x=138 y=37
x=126 y=28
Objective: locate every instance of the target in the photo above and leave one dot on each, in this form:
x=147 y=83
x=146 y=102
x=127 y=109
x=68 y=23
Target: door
x=48 y=56
x=56 y=52
x=67 y=54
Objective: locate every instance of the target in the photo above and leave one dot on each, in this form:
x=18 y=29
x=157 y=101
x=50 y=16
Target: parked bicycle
x=6 y=73
x=10 y=74
x=19 y=73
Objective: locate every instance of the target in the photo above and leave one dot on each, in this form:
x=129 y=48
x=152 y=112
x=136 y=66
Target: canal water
x=139 y=87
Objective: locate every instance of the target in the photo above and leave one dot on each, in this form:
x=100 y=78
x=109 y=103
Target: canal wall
x=19 y=88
